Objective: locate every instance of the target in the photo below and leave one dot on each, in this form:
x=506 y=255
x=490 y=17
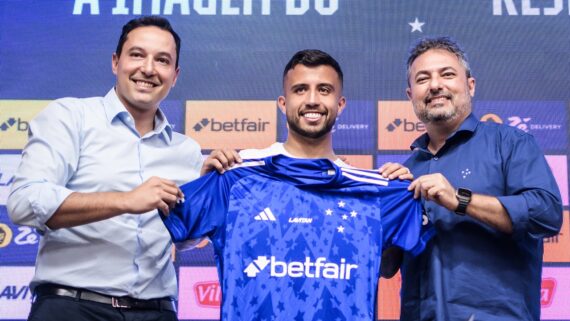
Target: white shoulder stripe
x=366 y=180
x=382 y=182
x=364 y=173
x=249 y=163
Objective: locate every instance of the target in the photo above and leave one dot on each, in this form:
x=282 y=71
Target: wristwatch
x=464 y=197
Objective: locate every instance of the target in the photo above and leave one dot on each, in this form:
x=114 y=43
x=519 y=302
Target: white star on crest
x=353 y=214
x=329 y=212
x=345 y=217
x=416 y=25
x=340 y=229
x=341 y=204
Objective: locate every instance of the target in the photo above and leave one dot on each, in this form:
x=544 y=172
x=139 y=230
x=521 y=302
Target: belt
x=123 y=302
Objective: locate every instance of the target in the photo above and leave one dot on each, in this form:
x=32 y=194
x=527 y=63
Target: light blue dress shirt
x=91 y=145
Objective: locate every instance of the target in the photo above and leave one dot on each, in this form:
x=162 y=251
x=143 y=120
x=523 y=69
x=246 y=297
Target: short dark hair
x=313 y=58
x=443 y=43
x=147 y=21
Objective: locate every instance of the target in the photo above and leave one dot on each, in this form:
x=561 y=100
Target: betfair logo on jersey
x=240 y=124
x=5 y=235
x=320 y=268
x=15 y=116
x=528 y=8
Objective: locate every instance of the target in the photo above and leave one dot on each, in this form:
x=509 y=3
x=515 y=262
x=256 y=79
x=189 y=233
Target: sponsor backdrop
x=233 y=52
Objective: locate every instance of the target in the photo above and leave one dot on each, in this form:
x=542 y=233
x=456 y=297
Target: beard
x=442 y=114
x=427 y=116
x=313 y=132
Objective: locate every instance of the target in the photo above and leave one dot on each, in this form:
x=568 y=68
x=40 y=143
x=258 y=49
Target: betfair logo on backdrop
x=208 y=7
x=398 y=125
x=21 y=125
x=528 y=8
x=237 y=125
x=15 y=116
x=406 y=125
x=240 y=124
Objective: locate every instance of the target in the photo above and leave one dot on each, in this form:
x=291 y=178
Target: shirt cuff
x=45 y=201
x=517 y=209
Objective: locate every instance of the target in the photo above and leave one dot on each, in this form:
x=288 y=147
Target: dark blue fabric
x=469 y=268
x=298 y=239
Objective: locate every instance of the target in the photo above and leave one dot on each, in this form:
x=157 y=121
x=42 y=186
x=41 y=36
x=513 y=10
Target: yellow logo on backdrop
x=492 y=117
x=15 y=116
x=398 y=125
x=232 y=124
x=5 y=235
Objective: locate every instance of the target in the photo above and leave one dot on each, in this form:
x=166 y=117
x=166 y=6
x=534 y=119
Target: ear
x=341 y=105
x=176 y=76
x=281 y=104
x=471 y=86
x=409 y=93
x=115 y=63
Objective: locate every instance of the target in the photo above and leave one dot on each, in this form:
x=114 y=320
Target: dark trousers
x=59 y=308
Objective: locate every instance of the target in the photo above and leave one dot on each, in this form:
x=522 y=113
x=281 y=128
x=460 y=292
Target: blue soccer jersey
x=298 y=239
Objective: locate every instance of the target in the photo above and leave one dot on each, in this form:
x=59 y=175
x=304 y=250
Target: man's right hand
x=220 y=160
x=155 y=193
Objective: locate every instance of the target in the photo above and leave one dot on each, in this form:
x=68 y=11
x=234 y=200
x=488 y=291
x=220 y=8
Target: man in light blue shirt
x=92 y=177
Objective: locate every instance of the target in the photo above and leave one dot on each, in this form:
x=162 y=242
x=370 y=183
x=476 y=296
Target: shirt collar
x=115 y=110
x=468 y=126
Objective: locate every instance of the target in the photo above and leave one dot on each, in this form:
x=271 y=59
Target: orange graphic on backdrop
x=398 y=126
x=232 y=124
x=556 y=248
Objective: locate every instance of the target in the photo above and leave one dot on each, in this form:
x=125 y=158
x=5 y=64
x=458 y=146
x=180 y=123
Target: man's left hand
x=395 y=170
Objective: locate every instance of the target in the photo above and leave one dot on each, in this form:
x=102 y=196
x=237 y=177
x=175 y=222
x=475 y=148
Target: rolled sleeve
x=48 y=161
x=532 y=198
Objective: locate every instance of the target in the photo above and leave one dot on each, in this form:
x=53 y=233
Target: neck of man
x=144 y=119
x=439 y=131
x=305 y=147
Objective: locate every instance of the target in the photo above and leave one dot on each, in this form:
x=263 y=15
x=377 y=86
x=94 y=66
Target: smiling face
x=312 y=100
x=439 y=88
x=146 y=69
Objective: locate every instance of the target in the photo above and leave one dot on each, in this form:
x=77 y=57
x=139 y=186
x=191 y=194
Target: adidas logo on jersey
x=265 y=215
x=295 y=269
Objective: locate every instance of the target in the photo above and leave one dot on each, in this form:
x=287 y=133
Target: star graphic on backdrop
x=416 y=25
x=345 y=217
x=341 y=204
x=329 y=212
x=340 y=229
x=353 y=214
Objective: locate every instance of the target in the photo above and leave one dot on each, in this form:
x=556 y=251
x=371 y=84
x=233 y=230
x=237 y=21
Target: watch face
x=463 y=192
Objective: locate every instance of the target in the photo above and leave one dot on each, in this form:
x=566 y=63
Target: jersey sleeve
x=404 y=223
x=203 y=210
